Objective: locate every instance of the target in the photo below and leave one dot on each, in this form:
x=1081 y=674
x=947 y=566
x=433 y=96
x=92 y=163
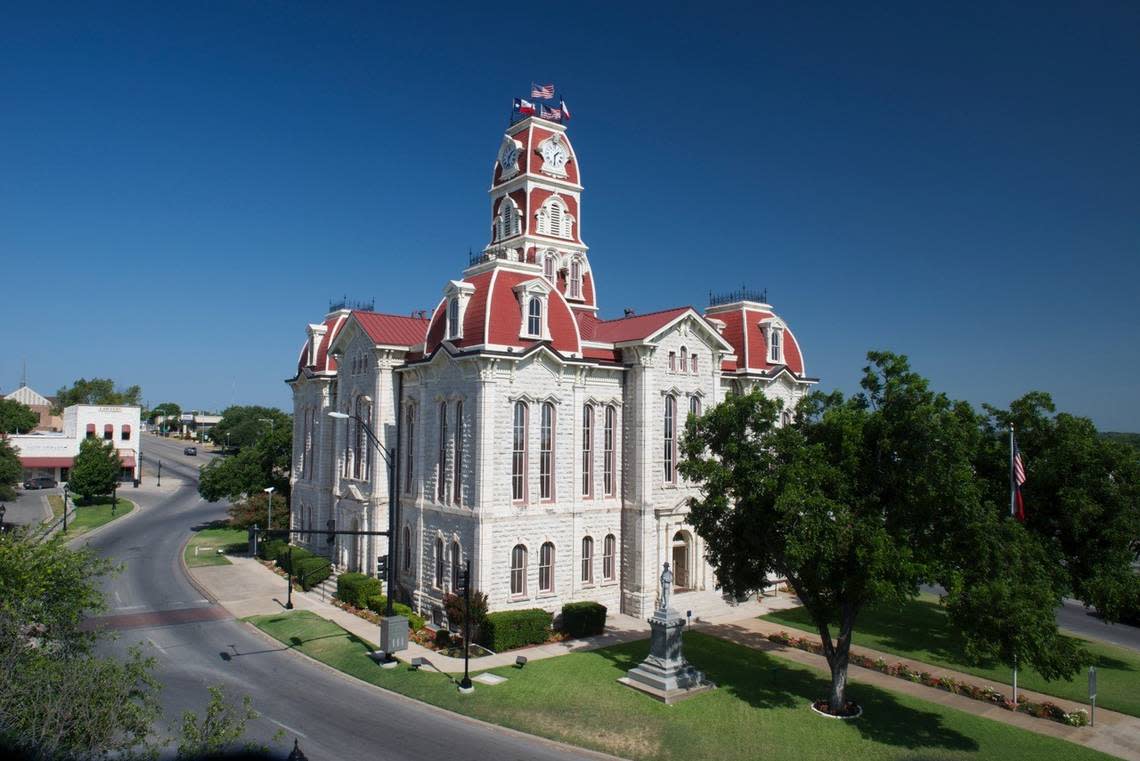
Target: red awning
x=127 y=460
x=91 y=428
x=46 y=462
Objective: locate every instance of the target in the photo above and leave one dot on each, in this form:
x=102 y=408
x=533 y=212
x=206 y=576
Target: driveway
x=30 y=506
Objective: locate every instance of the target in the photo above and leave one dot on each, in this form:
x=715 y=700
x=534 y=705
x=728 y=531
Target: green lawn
x=920 y=630
x=759 y=711
x=56 y=502
x=202 y=549
x=87 y=517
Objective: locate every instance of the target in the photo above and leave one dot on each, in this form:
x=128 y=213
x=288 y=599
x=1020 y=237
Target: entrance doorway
x=682 y=544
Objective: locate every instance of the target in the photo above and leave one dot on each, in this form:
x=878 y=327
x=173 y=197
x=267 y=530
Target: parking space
x=30 y=506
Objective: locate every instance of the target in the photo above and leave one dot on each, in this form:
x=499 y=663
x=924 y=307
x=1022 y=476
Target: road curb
x=190 y=576
x=442 y=712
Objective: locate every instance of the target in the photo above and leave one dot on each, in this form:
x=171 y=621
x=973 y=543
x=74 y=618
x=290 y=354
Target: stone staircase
x=326 y=590
x=710 y=605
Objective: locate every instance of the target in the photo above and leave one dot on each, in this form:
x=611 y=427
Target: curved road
x=333 y=717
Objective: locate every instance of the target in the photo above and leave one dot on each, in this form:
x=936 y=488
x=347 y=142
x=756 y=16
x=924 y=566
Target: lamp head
x=338 y=415
x=269 y=490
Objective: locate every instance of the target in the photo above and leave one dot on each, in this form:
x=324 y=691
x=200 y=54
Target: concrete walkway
x=1115 y=733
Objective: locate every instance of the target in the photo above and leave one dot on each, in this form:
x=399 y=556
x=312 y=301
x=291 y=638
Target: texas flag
x=565 y=110
x=524 y=106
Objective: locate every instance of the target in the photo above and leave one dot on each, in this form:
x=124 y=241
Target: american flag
x=553 y=114
x=546 y=92
x=1017 y=478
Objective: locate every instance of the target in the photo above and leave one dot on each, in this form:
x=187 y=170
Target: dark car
x=40 y=482
x=190 y=451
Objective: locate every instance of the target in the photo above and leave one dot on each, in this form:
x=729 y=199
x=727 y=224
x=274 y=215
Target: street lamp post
x=65 y=507
x=391 y=462
x=3 y=509
x=269 y=523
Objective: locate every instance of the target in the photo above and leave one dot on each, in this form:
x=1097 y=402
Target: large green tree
x=96 y=391
x=858 y=502
x=96 y=469
x=16 y=417
x=1082 y=498
x=245 y=425
x=167 y=410
x=10 y=470
x=265 y=461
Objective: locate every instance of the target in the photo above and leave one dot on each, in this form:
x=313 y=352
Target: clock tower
x=536 y=208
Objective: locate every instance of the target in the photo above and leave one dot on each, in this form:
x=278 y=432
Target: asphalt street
x=196 y=645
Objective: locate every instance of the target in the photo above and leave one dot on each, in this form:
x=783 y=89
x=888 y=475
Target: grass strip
x=202 y=549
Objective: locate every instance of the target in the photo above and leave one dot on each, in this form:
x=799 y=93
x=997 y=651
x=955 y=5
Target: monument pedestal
x=665 y=674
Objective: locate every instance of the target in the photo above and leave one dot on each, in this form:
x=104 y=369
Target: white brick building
x=532 y=437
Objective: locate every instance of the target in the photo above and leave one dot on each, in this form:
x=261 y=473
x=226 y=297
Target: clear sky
x=183 y=186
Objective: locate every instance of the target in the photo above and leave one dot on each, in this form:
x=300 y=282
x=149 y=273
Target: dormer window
x=534 y=301
x=453 y=318
x=775 y=346
x=457 y=294
x=575 y=279
x=554 y=219
x=507 y=222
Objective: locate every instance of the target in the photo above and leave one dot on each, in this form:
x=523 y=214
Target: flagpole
x=1013 y=513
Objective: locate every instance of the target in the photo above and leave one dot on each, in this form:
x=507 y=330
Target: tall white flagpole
x=1012 y=513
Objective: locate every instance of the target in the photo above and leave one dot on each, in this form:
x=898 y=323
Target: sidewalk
x=1115 y=733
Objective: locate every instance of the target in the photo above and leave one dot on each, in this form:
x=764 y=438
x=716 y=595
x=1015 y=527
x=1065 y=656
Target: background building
x=531 y=436
x=53 y=453
x=39 y=404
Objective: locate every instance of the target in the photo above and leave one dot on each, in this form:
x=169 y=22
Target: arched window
x=456 y=569
x=774 y=354
x=587 y=560
x=693 y=364
x=407 y=548
x=409 y=444
x=453 y=318
x=518 y=452
x=438 y=563
x=518 y=571
x=366 y=416
x=546 y=453
x=786 y=417
x=672 y=361
x=684 y=360
x=508 y=220
x=457 y=458
x=125 y=433
x=546 y=567
x=609 y=550
x=554 y=219
x=575 y=279
x=441 y=465
x=587 y=451
x=608 y=464
x=695 y=406
x=550 y=266
x=534 y=316
x=670 y=439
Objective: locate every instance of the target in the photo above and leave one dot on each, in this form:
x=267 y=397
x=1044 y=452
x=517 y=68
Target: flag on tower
x=524 y=106
x=565 y=111
x=1016 y=479
x=553 y=114
x=546 y=92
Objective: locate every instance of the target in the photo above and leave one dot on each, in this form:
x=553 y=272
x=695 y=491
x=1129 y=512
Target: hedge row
x=378 y=604
x=311 y=571
x=583 y=619
x=509 y=629
x=355 y=588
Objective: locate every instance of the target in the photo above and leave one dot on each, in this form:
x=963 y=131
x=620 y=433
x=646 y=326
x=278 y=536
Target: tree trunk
x=838 y=654
x=838 y=698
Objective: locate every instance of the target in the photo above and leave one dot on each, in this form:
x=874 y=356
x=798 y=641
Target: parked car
x=190 y=451
x=40 y=482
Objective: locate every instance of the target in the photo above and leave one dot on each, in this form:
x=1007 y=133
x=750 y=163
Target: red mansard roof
x=635 y=326
x=392 y=329
x=742 y=330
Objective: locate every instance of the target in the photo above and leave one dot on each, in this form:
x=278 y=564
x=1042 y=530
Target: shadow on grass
x=220 y=523
x=766 y=682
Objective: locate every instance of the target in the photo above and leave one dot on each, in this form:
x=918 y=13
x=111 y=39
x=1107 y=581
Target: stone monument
x=665 y=674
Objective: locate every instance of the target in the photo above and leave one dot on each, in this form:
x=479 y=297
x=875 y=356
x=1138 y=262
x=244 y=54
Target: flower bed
x=1043 y=710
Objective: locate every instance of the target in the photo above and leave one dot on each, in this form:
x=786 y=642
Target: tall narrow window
x=609 y=549
x=441 y=466
x=608 y=451
x=518 y=571
x=456 y=570
x=407 y=549
x=670 y=438
x=587 y=560
x=546 y=453
x=684 y=360
x=534 y=317
x=548 y=263
x=438 y=563
x=125 y=433
x=693 y=364
x=409 y=444
x=575 y=279
x=774 y=347
x=695 y=406
x=518 y=452
x=457 y=458
x=672 y=361
x=556 y=219
x=453 y=318
x=546 y=567
x=587 y=451
x=108 y=432
x=358 y=440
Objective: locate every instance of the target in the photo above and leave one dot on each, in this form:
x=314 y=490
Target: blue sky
x=184 y=186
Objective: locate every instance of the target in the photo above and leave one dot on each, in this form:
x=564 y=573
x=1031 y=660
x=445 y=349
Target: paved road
x=196 y=646
x=29 y=506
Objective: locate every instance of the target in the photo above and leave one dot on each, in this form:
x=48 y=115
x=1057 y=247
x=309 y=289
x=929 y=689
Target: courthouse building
x=533 y=436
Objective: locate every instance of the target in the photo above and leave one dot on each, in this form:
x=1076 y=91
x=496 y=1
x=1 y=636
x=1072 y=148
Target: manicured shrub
x=442 y=638
x=296 y=553
x=311 y=571
x=509 y=629
x=355 y=588
x=268 y=550
x=456 y=608
x=583 y=619
x=379 y=603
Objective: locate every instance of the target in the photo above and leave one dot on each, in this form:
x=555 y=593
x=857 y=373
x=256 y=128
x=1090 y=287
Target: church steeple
x=536 y=207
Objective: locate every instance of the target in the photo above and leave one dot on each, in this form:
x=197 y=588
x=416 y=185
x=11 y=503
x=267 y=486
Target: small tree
x=255 y=509
x=16 y=417
x=219 y=732
x=96 y=470
x=10 y=470
x=457 y=611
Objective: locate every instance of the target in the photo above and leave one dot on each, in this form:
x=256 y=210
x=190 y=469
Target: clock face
x=554 y=154
x=509 y=156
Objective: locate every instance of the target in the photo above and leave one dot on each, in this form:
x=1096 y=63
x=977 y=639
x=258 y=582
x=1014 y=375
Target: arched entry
x=682 y=561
